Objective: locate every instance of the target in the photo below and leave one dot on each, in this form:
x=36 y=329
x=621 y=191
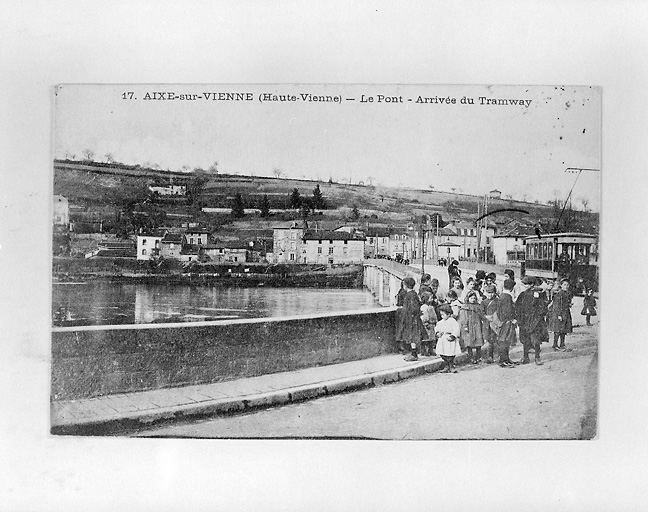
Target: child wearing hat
x=560 y=320
x=447 y=332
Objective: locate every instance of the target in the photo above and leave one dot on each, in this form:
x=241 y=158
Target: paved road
x=555 y=401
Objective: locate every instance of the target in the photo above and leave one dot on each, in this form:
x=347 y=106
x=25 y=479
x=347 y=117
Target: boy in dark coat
x=560 y=319
x=506 y=314
x=490 y=308
x=412 y=324
x=531 y=311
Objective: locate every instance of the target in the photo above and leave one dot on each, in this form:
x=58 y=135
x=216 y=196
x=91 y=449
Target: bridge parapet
x=101 y=360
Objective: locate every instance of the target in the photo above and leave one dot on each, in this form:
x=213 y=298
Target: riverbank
x=128 y=270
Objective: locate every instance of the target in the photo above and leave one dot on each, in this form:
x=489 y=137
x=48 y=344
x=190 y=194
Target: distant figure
x=560 y=320
x=538 y=230
x=589 y=306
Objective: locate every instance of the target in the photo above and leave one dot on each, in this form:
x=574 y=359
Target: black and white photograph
x=323 y=255
x=326 y=261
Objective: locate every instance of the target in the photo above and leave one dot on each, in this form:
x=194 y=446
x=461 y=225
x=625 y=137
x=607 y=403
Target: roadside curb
x=248 y=403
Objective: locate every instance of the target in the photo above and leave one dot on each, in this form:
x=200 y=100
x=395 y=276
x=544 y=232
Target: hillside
x=113 y=188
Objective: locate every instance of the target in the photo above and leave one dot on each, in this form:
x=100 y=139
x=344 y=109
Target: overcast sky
x=522 y=150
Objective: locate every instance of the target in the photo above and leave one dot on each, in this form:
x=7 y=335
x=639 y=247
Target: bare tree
x=213 y=168
x=584 y=201
x=278 y=173
x=371 y=180
x=88 y=155
x=109 y=157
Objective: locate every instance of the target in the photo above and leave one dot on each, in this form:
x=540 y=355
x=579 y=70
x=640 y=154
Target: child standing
x=447 y=331
x=412 y=324
x=400 y=319
x=589 y=306
x=429 y=319
x=471 y=321
x=560 y=320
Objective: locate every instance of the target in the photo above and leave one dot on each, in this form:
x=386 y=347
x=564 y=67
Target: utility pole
x=572 y=170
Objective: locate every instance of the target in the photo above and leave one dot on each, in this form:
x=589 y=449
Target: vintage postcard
x=326 y=261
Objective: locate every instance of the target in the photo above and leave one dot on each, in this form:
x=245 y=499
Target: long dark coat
x=506 y=314
x=400 y=318
x=531 y=310
x=561 y=308
x=471 y=321
x=413 y=327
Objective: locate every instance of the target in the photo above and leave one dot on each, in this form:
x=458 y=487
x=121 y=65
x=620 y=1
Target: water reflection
x=112 y=303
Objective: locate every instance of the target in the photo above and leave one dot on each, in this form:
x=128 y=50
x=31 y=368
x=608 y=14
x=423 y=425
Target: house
x=495 y=194
x=61 y=211
x=225 y=252
x=331 y=247
x=449 y=250
x=148 y=246
x=171 y=245
x=377 y=243
x=400 y=244
x=508 y=246
x=168 y=190
x=287 y=241
x=196 y=235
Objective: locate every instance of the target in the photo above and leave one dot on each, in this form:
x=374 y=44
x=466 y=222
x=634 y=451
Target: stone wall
x=101 y=360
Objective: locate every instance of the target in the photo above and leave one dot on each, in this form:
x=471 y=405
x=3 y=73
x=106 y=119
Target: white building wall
x=146 y=246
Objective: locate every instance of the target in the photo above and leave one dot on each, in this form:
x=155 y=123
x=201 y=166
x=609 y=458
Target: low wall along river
x=100 y=360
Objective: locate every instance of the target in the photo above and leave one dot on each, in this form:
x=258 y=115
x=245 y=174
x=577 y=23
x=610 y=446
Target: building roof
x=197 y=229
x=172 y=238
x=332 y=235
x=448 y=244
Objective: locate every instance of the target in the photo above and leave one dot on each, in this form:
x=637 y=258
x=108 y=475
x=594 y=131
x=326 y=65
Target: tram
x=563 y=255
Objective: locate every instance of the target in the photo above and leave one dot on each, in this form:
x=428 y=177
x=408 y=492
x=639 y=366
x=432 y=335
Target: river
x=103 y=303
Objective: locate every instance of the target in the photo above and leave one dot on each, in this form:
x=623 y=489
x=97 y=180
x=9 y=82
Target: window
x=144 y=241
x=200 y=241
x=330 y=241
x=319 y=250
x=320 y=241
x=330 y=250
x=346 y=242
x=191 y=241
x=143 y=252
x=292 y=256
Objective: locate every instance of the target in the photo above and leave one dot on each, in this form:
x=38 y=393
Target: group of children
x=469 y=318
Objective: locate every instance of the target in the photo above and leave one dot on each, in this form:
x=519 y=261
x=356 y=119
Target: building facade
x=332 y=247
